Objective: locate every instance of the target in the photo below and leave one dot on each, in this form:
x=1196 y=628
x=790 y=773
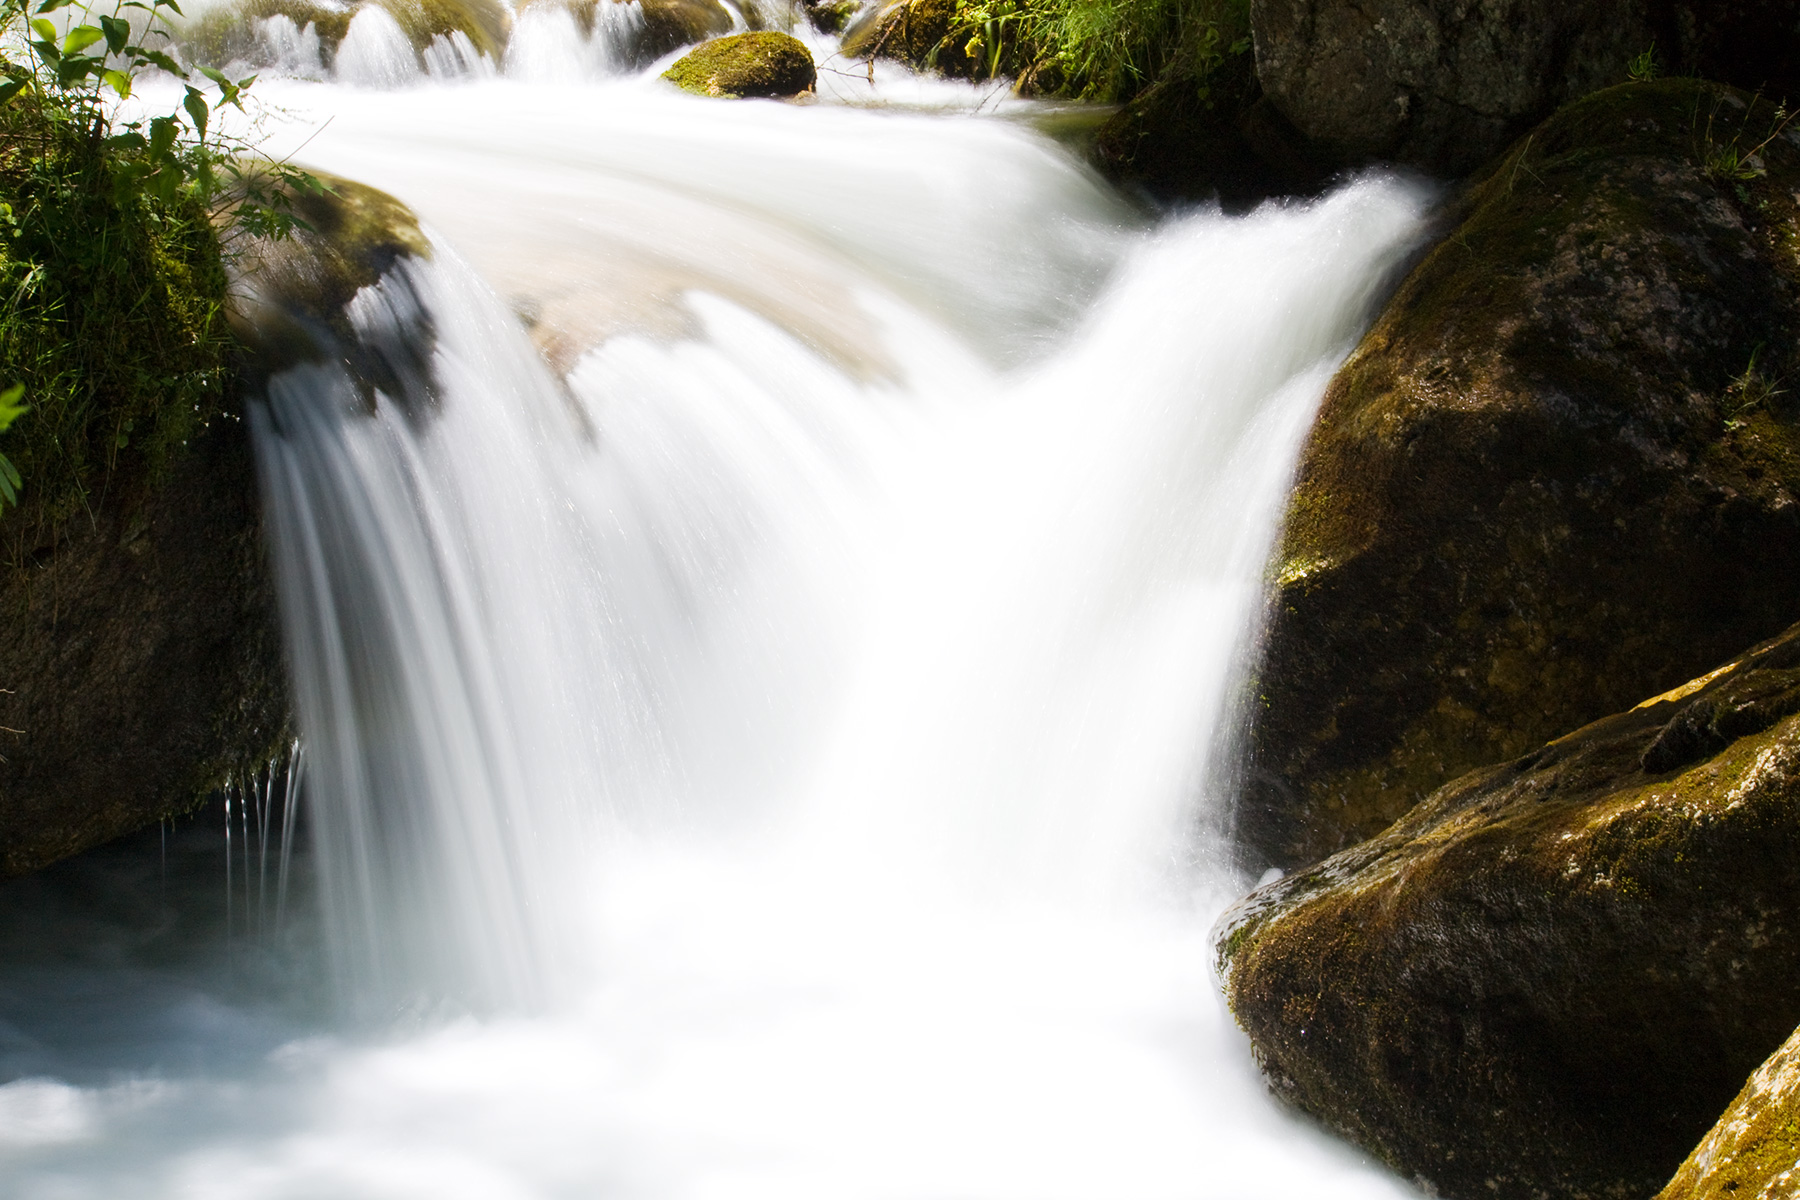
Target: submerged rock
x=749 y=64
x=1559 y=473
x=1443 y=85
x=1551 y=976
x=1753 y=1153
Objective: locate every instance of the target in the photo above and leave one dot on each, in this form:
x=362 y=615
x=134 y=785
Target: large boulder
x=1445 y=84
x=746 y=65
x=142 y=665
x=1753 y=1153
x=1559 y=473
x=1552 y=976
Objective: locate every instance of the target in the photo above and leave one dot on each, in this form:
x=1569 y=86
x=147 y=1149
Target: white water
x=768 y=760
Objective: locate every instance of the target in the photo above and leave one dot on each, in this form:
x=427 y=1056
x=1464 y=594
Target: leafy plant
x=10 y=411
x=1643 y=67
x=1103 y=50
x=114 y=229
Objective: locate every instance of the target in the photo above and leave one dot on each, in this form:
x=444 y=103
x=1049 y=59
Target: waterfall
x=764 y=752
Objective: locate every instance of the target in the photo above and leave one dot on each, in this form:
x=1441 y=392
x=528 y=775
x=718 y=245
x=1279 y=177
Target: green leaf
x=195 y=104
x=80 y=38
x=119 y=82
x=50 y=6
x=45 y=30
x=171 y=5
x=157 y=58
x=10 y=483
x=118 y=34
x=10 y=408
x=11 y=88
x=163 y=131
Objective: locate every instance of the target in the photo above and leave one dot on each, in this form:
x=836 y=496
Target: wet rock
x=669 y=24
x=749 y=64
x=664 y=25
x=142 y=664
x=230 y=32
x=294 y=293
x=920 y=33
x=1559 y=472
x=1753 y=1153
x=1445 y=84
x=1551 y=976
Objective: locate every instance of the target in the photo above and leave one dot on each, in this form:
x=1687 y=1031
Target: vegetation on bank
x=1106 y=51
x=112 y=276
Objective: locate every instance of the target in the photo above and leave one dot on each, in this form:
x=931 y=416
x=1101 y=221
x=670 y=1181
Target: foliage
x=112 y=280
x=1103 y=50
x=10 y=411
x=1643 y=68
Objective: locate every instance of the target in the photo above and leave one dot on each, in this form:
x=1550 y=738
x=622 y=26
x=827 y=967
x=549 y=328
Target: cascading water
x=762 y=752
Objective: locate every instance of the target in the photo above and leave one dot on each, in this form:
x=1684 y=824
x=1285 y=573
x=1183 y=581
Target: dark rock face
x=1551 y=976
x=1445 y=84
x=142 y=665
x=1558 y=474
x=749 y=64
x=1753 y=1153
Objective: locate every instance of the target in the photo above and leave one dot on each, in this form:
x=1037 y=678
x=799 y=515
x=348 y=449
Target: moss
x=749 y=64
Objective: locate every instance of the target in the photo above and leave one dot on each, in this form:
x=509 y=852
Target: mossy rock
x=748 y=64
x=1560 y=471
x=1552 y=975
x=483 y=22
x=1753 y=1153
x=830 y=16
x=927 y=35
x=228 y=33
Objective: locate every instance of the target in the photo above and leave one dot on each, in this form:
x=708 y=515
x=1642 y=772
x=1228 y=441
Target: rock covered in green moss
x=1753 y=1153
x=917 y=33
x=1551 y=976
x=745 y=65
x=1559 y=473
x=1443 y=85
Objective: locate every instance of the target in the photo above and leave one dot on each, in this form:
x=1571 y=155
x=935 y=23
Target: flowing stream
x=758 y=665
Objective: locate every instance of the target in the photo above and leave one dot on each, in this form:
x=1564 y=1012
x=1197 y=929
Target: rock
x=1558 y=473
x=142 y=665
x=483 y=22
x=1551 y=976
x=1445 y=84
x=749 y=64
x=1200 y=131
x=1753 y=1153
x=666 y=24
x=917 y=33
x=292 y=293
x=670 y=24
x=830 y=16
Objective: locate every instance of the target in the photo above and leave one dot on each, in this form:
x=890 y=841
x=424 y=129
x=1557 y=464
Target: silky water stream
x=757 y=672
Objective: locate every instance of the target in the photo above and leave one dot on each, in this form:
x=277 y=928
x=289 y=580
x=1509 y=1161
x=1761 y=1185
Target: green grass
x=1104 y=50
